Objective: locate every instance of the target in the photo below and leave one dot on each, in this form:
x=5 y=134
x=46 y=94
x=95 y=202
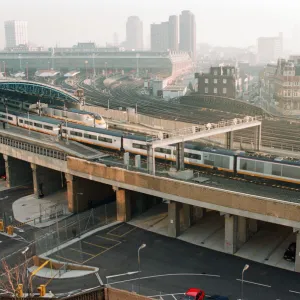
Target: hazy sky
x=219 y=22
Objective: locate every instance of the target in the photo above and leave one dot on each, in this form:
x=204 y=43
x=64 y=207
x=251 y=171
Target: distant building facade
x=287 y=86
x=187 y=29
x=269 y=48
x=134 y=33
x=164 y=36
x=16 y=33
x=219 y=81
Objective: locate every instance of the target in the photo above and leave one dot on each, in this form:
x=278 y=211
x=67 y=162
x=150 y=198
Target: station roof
x=46 y=73
x=71 y=74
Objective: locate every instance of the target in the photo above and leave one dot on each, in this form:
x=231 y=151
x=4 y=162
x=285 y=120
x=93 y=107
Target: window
x=224 y=90
x=90 y=136
x=64 y=131
x=206 y=80
x=38 y=125
x=105 y=140
x=215 y=81
x=215 y=90
x=139 y=146
x=75 y=133
x=28 y=123
x=192 y=155
x=206 y=90
x=20 y=121
x=224 y=80
x=9 y=118
x=48 y=127
x=163 y=150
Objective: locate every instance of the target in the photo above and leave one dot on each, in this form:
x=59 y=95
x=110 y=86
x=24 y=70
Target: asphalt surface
x=170 y=266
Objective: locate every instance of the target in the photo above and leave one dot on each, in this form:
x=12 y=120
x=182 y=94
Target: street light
x=26 y=268
x=139 y=262
x=246 y=267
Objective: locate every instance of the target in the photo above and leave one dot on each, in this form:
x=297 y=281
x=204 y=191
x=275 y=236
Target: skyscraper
x=173 y=33
x=134 y=33
x=164 y=36
x=15 y=33
x=269 y=48
x=188 y=33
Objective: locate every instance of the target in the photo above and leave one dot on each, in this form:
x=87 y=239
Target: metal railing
x=33 y=148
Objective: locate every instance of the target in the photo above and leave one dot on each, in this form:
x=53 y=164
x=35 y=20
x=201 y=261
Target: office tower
x=134 y=33
x=173 y=33
x=188 y=33
x=269 y=48
x=15 y=33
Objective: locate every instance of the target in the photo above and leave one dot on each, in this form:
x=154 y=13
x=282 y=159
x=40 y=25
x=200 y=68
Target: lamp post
x=27 y=70
x=139 y=262
x=246 y=267
x=26 y=268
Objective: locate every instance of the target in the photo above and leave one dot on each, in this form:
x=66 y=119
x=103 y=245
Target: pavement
x=170 y=266
x=267 y=246
x=29 y=209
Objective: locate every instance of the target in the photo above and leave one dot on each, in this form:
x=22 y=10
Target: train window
x=103 y=139
x=38 y=125
x=259 y=168
x=222 y=161
x=48 y=127
x=90 y=136
x=76 y=133
x=291 y=172
x=2 y=116
x=10 y=118
x=28 y=123
x=64 y=131
x=139 y=146
x=21 y=121
x=163 y=150
x=276 y=169
x=192 y=155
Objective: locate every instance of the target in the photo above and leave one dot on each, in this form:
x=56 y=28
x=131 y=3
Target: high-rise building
x=15 y=33
x=269 y=48
x=164 y=36
x=134 y=33
x=188 y=33
x=173 y=33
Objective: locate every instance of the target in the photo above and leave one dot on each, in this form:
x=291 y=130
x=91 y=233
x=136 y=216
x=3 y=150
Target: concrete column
x=253 y=225
x=5 y=157
x=180 y=156
x=71 y=193
x=174 y=219
x=151 y=160
x=187 y=215
x=230 y=234
x=297 y=255
x=257 y=138
x=35 y=180
x=126 y=158
x=243 y=232
x=229 y=140
x=137 y=160
x=123 y=205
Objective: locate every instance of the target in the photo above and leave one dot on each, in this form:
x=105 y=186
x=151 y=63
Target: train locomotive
x=236 y=163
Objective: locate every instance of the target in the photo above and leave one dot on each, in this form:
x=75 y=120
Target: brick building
x=220 y=81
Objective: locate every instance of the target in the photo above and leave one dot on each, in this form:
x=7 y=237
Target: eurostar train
x=236 y=163
x=70 y=115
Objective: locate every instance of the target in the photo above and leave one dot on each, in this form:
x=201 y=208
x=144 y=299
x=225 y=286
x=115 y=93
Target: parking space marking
x=95 y=245
x=106 y=238
x=167 y=295
x=174 y=297
x=80 y=251
x=109 y=232
x=73 y=261
x=100 y=253
x=251 y=282
x=123 y=233
x=294 y=292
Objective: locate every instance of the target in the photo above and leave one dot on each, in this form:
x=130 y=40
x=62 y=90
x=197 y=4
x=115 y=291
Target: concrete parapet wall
x=251 y=206
x=115 y=294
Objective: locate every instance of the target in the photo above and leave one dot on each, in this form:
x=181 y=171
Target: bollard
x=10 y=230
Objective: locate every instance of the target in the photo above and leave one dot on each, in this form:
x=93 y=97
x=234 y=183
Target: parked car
x=290 y=252
x=194 y=294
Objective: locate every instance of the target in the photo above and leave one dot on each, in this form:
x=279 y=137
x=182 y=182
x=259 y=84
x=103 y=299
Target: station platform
x=70 y=147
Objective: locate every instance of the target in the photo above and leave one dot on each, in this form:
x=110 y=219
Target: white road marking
x=294 y=292
x=166 y=295
x=164 y=275
x=174 y=297
x=251 y=282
